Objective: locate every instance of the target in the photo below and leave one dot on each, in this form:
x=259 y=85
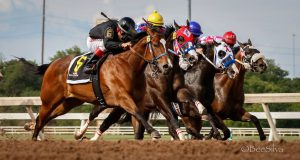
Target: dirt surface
x=150 y=150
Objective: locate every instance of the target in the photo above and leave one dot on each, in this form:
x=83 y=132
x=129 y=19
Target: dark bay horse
x=229 y=93
x=122 y=82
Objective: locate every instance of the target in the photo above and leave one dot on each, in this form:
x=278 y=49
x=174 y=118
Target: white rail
x=263 y=98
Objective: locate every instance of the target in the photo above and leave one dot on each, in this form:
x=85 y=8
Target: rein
x=153 y=61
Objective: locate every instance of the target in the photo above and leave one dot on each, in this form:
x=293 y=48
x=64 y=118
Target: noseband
x=248 y=59
x=154 y=61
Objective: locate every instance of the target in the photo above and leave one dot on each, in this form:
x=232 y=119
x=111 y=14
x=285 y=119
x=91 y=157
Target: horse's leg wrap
x=200 y=107
x=97 y=134
x=180 y=134
x=81 y=132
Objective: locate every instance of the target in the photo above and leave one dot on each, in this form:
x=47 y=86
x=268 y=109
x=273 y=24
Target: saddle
x=77 y=76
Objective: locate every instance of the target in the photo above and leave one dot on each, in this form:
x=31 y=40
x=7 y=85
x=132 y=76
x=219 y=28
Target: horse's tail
x=42 y=69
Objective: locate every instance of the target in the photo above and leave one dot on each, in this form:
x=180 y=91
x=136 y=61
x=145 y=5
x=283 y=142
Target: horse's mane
x=137 y=37
x=235 y=50
x=169 y=30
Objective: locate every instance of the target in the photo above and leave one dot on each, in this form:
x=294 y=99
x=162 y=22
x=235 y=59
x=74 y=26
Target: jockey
x=141 y=27
x=111 y=36
x=155 y=19
x=196 y=30
x=229 y=38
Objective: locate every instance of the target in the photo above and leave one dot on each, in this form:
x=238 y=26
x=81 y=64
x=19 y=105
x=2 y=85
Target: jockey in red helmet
x=229 y=38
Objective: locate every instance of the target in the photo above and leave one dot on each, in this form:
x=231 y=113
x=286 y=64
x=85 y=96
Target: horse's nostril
x=262 y=65
x=166 y=66
x=191 y=59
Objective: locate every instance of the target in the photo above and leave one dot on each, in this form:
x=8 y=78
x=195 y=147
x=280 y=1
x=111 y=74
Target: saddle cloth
x=75 y=71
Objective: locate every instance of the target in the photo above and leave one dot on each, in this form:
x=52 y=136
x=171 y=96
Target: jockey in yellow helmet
x=156 y=19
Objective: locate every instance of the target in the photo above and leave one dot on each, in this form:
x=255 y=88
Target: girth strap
x=96 y=83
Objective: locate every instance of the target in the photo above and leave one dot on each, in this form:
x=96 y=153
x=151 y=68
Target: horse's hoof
x=155 y=135
x=217 y=137
x=78 y=135
x=84 y=139
x=34 y=139
x=263 y=138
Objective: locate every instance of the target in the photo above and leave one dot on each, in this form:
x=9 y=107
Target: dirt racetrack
x=150 y=150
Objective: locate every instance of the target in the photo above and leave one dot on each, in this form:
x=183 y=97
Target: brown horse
x=122 y=82
x=158 y=97
x=229 y=93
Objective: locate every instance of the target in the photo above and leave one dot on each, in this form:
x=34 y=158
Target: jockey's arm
x=209 y=40
x=112 y=45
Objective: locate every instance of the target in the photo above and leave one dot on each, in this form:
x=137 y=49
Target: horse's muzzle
x=166 y=68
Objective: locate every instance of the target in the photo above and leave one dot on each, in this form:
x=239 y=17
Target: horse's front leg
x=127 y=103
x=244 y=116
x=165 y=109
x=138 y=128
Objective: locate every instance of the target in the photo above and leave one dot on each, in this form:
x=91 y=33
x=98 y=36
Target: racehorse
x=190 y=114
x=157 y=97
x=122 y=82
x=229 y=93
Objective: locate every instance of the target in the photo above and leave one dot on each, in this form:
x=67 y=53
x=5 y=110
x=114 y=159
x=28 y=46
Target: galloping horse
x=229 y=93
x=122 y=82
x=158 y=97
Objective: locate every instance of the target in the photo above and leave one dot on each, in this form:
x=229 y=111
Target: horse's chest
x=191 y=78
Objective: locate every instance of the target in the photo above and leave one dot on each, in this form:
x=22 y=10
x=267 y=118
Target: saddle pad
x=75 y=71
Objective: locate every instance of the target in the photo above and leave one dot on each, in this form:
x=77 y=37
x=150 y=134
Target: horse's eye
x=180 y=39
x=221 y=54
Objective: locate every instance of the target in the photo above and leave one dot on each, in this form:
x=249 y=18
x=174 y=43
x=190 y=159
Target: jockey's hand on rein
x=126 y=45
x=199 y=50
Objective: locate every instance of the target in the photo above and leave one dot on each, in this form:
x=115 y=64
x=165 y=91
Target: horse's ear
x=147 y=22
x=216 y=43
x=240 y=44
x=249 y=41
x=187 y=23
x=176 y=25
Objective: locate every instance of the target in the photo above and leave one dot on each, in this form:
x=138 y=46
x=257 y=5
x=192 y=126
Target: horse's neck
x=135 y=61
x=236 y=85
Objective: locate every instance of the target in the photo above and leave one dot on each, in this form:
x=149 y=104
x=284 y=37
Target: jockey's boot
x=90 y=64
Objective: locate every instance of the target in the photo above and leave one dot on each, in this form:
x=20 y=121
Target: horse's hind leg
x=41 y=119
x=64 y=107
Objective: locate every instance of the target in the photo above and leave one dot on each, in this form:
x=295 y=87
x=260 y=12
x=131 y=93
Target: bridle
x=248 y=60
x=152 y=62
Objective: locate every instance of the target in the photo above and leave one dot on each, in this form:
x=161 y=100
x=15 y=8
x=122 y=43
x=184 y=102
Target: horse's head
x=223 y=59
x=155 y=53
x=184 y=46
x=253 y=57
